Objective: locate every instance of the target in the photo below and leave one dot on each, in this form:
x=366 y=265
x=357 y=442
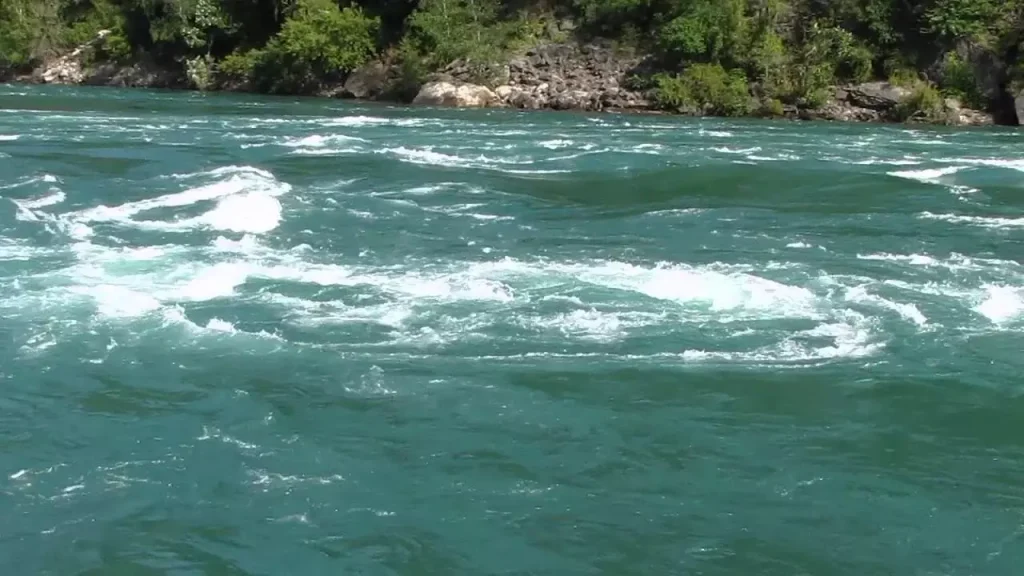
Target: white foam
x=555 y=144
x=915 y=259
x=247 y=203
x=1008 y=163
x=255 y=213
x=419 y=156
x=721 y=291
x=54 y=197
x=728 y=150
x=1001 y=304
x=851 y=338
x=371 y=121
x=320 y=141
x=928 y=175
x=218 y=325
x=47 y=178
x=884 y=161
x=984 y=221
x=217 y=281
x=118 y=301
x=592 y=324
x=908 y=311
x=9 y=137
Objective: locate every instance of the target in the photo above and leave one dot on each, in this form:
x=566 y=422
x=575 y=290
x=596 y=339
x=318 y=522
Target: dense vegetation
x=713 y=54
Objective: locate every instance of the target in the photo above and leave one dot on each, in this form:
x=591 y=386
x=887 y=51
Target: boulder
x=457 y=95
x=1018 y=104
x=957 y=115
x=880 y=96
x=573 y=100
x=369 y=81
x=503 y=93
x=840 y=111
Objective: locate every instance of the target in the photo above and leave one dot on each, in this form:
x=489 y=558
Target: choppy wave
x=304 y=257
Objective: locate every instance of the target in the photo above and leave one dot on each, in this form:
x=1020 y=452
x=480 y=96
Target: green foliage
x=442 y=31
x=961 y=18
x=792 y=51
x=239 y=66
x=705 y=88
x=827 y=55
x=773 y=108
x=924 y=104
x=318 y=42
x=29 y=31
x=705 y=31
x=958 y=81
x=613 y=17
x=904 y=77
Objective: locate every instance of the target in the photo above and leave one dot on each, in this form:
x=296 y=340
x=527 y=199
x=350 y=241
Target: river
x=249 y=335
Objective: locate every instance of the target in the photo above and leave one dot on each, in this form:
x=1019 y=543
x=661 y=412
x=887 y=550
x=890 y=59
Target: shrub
x=240 y=65
x=958 y=81
x=827 y=55
x=773 y=108
x=318 y=42
x=706 y=31
x=924 y=104
x=904 y=77
x=707 y=87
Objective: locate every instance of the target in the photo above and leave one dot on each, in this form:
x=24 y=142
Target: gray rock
x=369 y=81
x=880 y=96
x=572 y=100
x=841 y=111
x=565 y=76
x=140 y=74
x=1018 y=104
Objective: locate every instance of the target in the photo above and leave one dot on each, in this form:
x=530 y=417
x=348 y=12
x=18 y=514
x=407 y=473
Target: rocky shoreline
x=591 y=77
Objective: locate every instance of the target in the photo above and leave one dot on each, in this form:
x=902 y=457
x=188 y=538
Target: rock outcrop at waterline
x=69 y=68
x=590 y=77
x=458 y=95
x=596 y=77
x=76 y=68
x=879 y=102
x=553 y=76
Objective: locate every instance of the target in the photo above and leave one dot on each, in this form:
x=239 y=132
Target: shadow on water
x=807 y=189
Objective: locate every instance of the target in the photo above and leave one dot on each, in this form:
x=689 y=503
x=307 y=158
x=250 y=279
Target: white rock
x=457 y=95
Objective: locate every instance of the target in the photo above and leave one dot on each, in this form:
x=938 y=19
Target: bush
x=706 y=31
x=317 y=43
x=443 y=31
x=115 y=48
x=708 y=88
x=773 y=108
x=958 y=81
x=855 y=63
x=828 y=54
x=239 y=66
x=924 y=104
x=905 y=78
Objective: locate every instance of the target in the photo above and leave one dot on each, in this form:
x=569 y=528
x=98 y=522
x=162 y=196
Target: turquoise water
x=272 y=336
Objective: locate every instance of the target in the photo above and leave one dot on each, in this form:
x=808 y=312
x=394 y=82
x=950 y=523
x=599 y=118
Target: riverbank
x=591 y=77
